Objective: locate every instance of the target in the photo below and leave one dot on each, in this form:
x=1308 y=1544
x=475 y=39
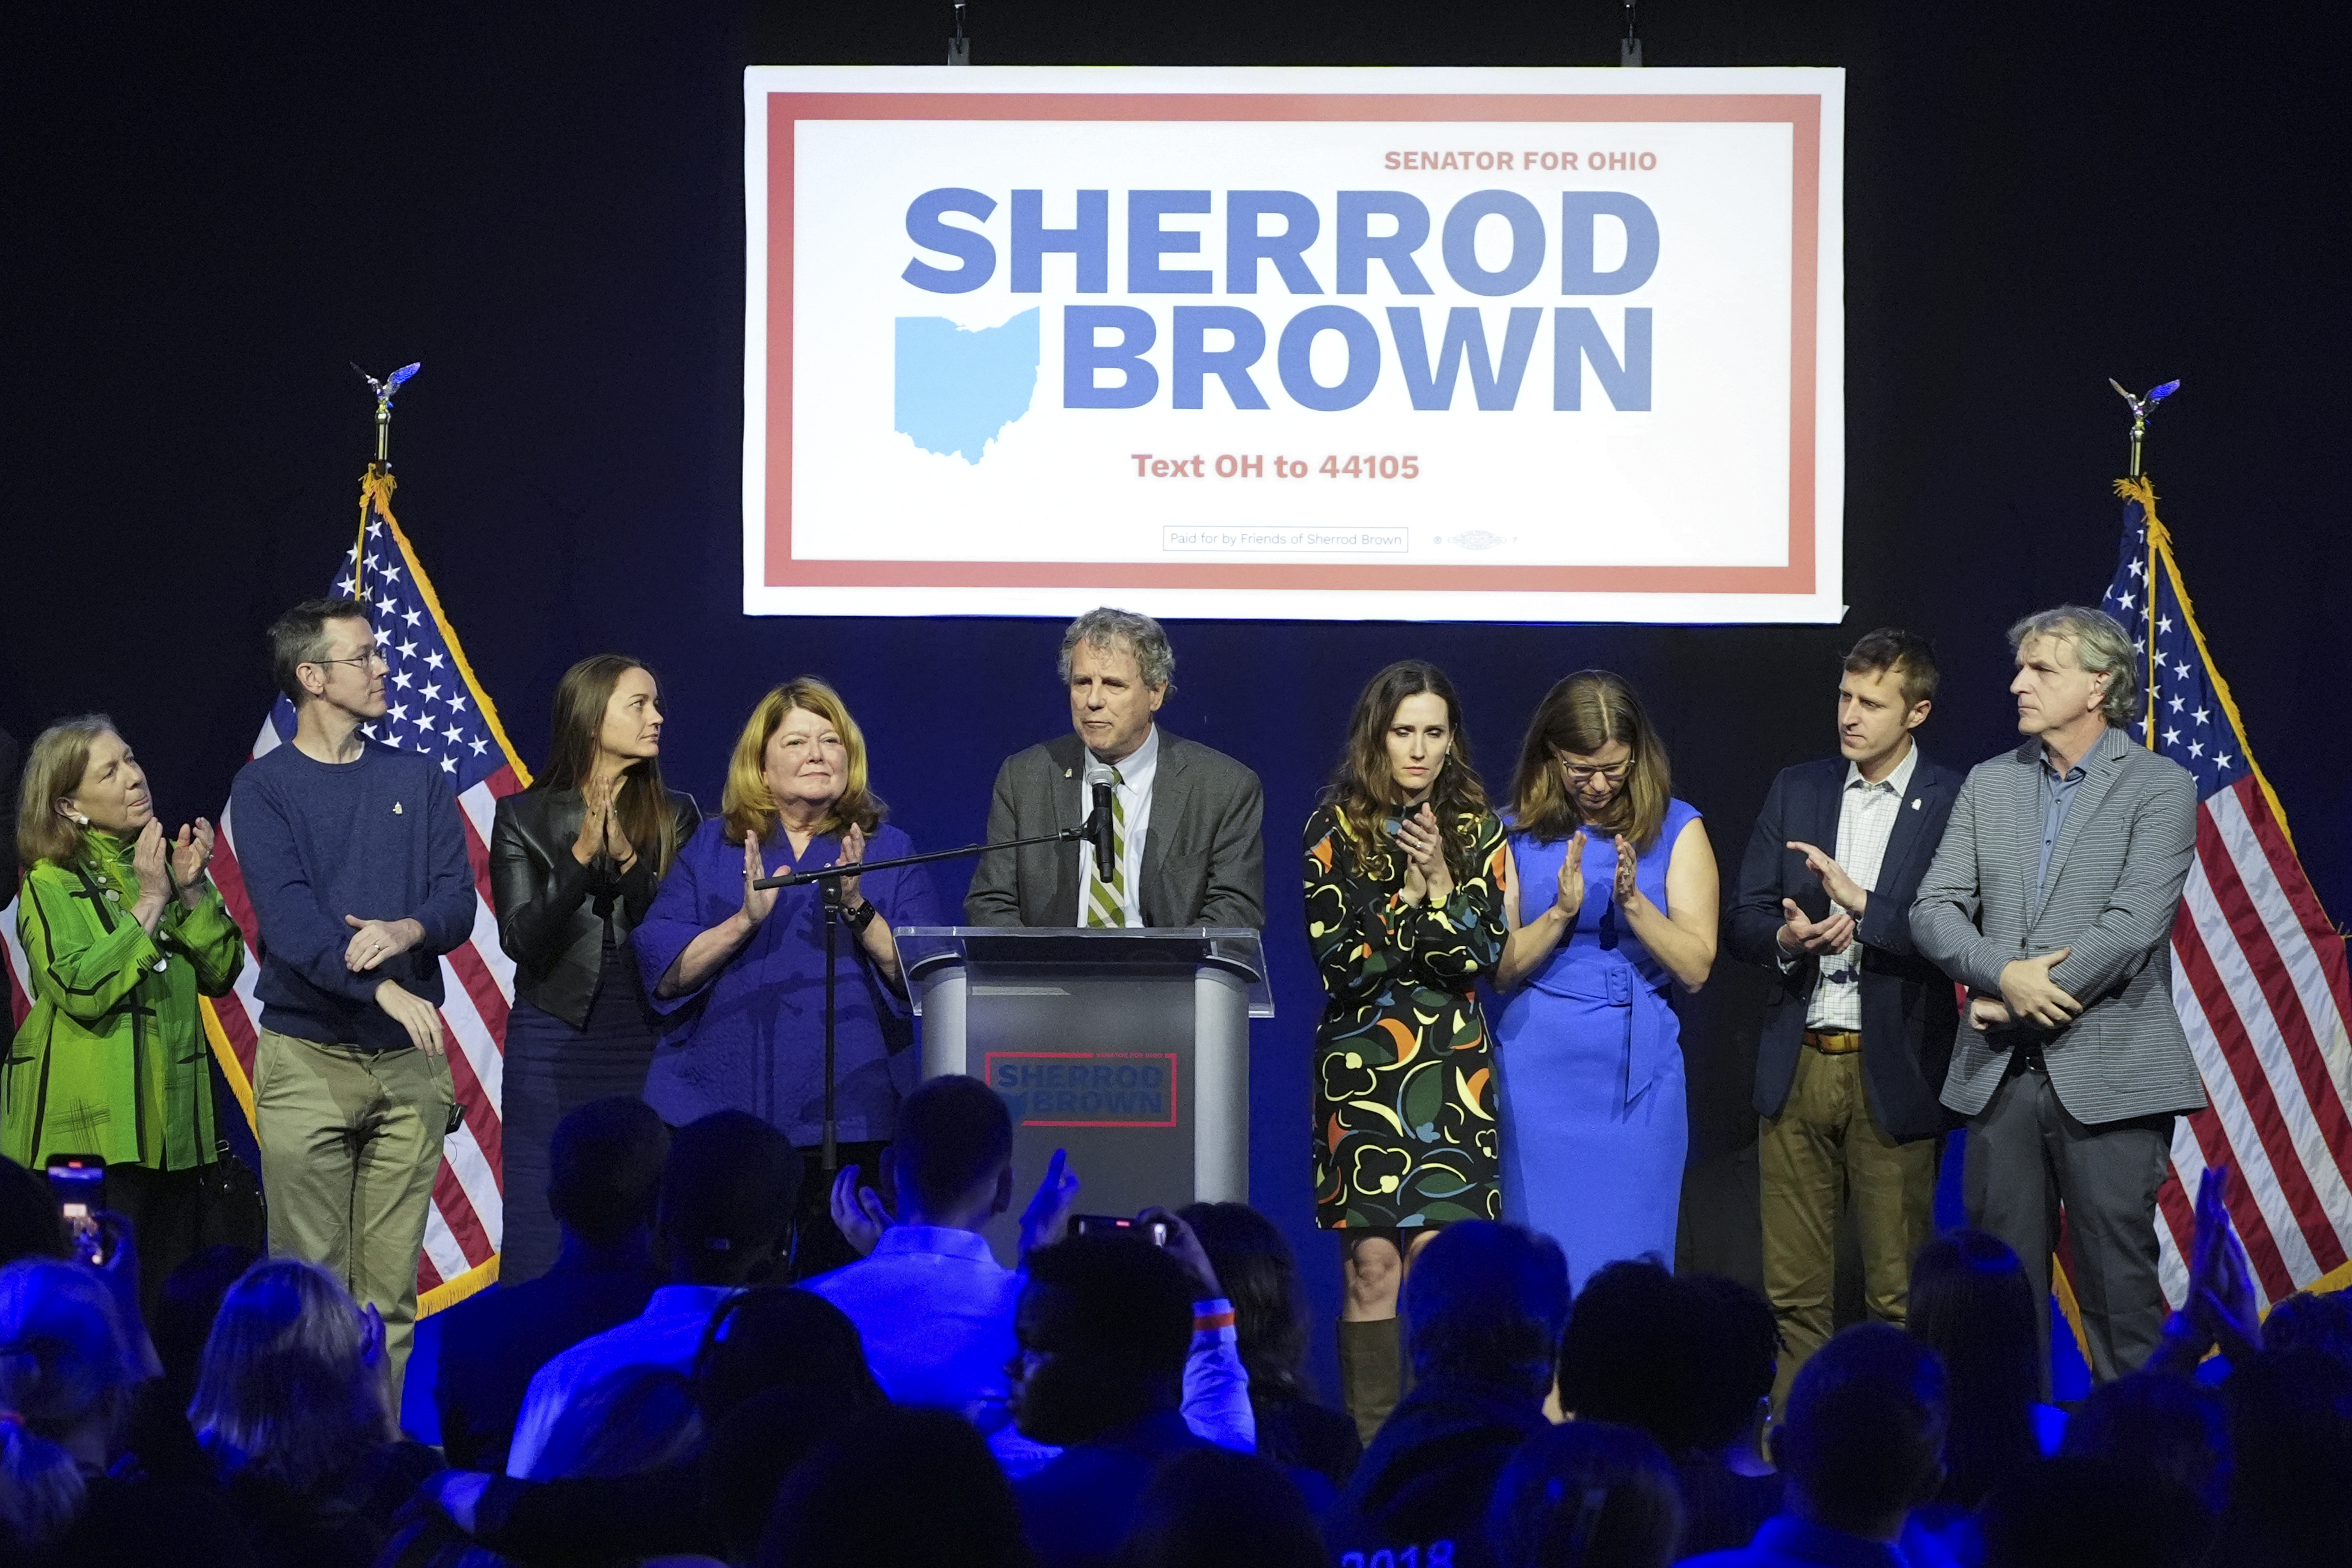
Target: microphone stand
x=829 y=880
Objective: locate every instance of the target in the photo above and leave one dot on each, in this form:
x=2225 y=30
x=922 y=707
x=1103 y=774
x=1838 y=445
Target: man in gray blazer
x=2051 y=899
x=1187 y=850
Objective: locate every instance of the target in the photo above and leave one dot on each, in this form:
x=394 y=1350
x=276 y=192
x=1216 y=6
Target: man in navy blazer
x=1859 y=1026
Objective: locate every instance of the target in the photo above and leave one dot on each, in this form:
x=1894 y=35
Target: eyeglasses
x=1579 y=775
x=372 y=656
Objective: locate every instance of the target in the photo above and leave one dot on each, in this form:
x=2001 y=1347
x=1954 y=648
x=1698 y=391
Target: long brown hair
x=750 y=807
x=581 y=698
x=1580 y=714
x=1363 y=791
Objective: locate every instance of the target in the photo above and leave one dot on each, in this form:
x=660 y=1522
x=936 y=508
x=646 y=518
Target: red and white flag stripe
x=2258 y=979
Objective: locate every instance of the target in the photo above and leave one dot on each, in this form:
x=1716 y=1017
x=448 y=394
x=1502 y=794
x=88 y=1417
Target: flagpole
x=378 y=469
x=2147 y=527
x=2145 y=495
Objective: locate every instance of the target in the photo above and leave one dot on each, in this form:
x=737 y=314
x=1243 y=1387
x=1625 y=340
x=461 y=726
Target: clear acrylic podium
x=1128 y=1048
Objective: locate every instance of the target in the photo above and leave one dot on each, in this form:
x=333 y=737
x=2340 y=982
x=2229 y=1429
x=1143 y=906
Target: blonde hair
x=1580 y=714
x=286 y=1390
x=748 y=804
x=65 y=1361
x=2102 y=647
x=53 y=770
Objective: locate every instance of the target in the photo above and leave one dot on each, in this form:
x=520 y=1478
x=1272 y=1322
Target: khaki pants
x=1824 y=1145
x=351 y=1142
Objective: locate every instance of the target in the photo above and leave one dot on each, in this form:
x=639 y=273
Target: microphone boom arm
x=836 y=873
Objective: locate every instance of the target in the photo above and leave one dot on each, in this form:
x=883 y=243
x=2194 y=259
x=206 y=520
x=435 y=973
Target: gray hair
x=1107 y=629
x=2102 y=647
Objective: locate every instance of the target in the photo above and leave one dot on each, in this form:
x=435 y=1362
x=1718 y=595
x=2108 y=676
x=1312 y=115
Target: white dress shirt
x=935 y=1310
x=1866 y=816
x=1136 y=773
x=666 y=1333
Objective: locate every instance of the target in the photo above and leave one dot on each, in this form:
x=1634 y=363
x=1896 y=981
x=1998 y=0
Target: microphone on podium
x=1099 y=827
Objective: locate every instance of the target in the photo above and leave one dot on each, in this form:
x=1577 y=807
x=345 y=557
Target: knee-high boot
x=1371 y=1367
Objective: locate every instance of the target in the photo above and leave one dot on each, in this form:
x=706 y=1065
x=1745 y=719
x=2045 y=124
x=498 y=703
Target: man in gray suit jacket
x=1185 y=819
x=2051 y=899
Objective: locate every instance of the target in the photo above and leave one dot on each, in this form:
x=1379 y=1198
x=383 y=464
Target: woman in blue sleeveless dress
x=1612 y=898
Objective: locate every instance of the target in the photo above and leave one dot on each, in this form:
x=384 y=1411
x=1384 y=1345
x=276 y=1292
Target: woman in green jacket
x=121 y=929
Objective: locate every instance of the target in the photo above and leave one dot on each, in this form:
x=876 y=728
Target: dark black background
x=211 y=209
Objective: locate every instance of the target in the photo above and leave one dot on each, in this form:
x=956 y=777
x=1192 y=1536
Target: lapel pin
x=396 y=808
x=1915 y=802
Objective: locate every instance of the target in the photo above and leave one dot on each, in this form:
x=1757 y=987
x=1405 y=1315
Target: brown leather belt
x=1835 y=1043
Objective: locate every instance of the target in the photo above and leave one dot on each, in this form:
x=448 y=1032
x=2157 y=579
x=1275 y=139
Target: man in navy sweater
x=355 y=859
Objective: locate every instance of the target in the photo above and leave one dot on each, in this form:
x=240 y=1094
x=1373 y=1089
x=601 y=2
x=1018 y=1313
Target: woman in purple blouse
x=737 y=976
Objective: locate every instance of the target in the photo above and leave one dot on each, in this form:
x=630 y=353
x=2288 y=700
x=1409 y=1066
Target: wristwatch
x=858 y=919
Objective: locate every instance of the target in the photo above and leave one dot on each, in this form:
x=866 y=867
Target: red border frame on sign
x=1801 y=112
x=988 y=1074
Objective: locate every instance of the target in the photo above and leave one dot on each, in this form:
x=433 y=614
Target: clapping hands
x=1844 y=890
x=852 y=853
x=1800 y=934
x=192 y=852
x=1427 y=876
x=2220 y=1309
x=1048 y=1214
x=149 y=856
x=600 y=822
x=1570 y=899
x=757 y=901
x=2221 y=1283
x=859 y=1212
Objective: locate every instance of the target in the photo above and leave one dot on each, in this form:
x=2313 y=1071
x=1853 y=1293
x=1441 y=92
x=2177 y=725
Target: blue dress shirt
x=935 y=1310
x=2057 y=797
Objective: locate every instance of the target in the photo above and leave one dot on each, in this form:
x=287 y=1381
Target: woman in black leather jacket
x=575 y=863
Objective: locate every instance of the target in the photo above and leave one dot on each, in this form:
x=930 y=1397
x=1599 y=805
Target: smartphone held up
x=1155 y=1231
x=77 y=1181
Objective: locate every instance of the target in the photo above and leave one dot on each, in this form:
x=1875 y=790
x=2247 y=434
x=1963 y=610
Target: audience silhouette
x=604 y=1173
x=661 y=1398
x=1483 y=1309
x=1586 y=1494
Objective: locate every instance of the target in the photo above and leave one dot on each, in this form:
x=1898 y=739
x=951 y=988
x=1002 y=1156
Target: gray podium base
x=1141 y=1077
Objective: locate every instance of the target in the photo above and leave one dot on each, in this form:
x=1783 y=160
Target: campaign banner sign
x=1085 y=1088
x=1546 y=344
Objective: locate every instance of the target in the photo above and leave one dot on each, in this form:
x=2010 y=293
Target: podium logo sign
x=1085 y=1089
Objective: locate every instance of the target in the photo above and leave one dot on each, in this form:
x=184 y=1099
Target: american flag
x=437 y=709
x=2258 y=973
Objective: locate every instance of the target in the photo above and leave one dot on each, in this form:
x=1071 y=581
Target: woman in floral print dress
x=1403 y=913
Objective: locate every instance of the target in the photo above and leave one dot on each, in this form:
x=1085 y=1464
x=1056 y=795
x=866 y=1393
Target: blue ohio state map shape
x=956 y=390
